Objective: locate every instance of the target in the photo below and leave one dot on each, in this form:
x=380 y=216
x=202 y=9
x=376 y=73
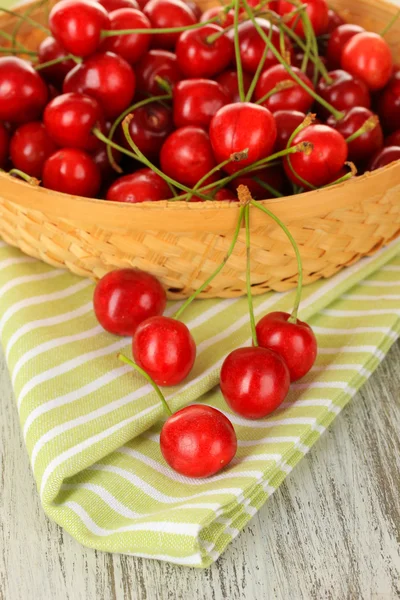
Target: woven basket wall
x=183 y=243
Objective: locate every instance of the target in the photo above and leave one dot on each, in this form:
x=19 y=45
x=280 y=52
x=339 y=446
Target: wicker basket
x=182 y=243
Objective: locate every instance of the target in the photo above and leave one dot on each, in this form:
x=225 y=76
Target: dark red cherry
x=384 y=157
x=195 y=8
x=100 y=158
x=195 y=101
x=30 y=147
x=50 y=49
x=77 y=25
x=254 y=381
x=294 y=342
x=334 y=21
x=310 y=70
x=229 y=81
x=106 y=77
x=272 y=176
x=141 y=186
x=241 y=126
x=111 y=5
x=149 y=129
x=317 y=11
x=338 y=39
x=286 y=122
x=389 y=103
x=367 y=144
x=156 y=63
x=393 y=139
x=198 y=57
x=132 y=46
x=165 y=349
x=4 y=145
x=225 y=19
x=164 y=14
x=226 y=194
x=368 y=56
x=23 y=93
x=72 y=171
x=345 y=91
x=293 y=98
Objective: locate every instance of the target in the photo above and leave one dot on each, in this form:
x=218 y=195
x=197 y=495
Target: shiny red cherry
x=186 y=155
x=198 y=441
x=225 y=18
x=72 y=171
x=149 y=129
x=367 y=144
x=23 y=93
x=195 y=101
x=327 y=157
x=229 y=81
x=384 y=157
x=393 y=139
x=198 y=57
x=334 y=21
x=293 y=98
x=241 y=126
x=294 y=342
x=77 y=25
x=50 y=49
x=389 y=103
x=344 y=92
x=141 y=186
x=272 y=176
x=164 y=14
x=317 y=11
x=254 y=381
x=70 y=119
x=133 y=46
x=4 y=145
x=125 y=298
x=286 y=122
x=156 y=63
x=338 y=39
x=111 y=5
x=30 y=147
x=106 y=77
x=165 y=349
x=226 y=194
x=368 y=56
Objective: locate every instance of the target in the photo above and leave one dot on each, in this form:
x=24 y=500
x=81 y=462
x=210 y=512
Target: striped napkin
x=92 y=425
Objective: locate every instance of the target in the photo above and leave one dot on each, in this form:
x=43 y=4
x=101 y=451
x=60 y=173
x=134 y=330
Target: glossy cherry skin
x=317 y=11
x=389 y=103
x=363 y=147
x=385 y=157
x=165 y=349
x=325 y=160
x=198 y=441
x=334 y=21
x=125 y=298
x=199 y=58
x=240 y=126
x=368 y=56
x=141 y=186
x=156 y=63
x=48 y=50
x=286 y=122
x=273 y=176
x=393 y=139
x=229 y=81
x=23 y=93
x=111 y=5
x=293 y=98
x=149 y=129
x=70 y=119
x=195 y=101
x=72 y=171
x=345 y=92
x=133 y=46
x=77 y=25
x=30 y=147
x=254 y=381
x=225 y=20
x=226 y=194
x=294 y=342
x=4 y=145
x=106 y=77
x=165 y=14
x=338 y=39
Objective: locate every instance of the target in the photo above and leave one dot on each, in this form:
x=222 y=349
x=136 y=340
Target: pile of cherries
x=137 y=100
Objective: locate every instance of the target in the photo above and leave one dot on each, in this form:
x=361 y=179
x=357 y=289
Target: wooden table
x=332 y=531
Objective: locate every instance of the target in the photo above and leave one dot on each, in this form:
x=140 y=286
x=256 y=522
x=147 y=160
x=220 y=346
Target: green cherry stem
x=369 y=125
x=352 y=173
x=27 y=13
x=257 y=74
x=282 y=85
x=55 y=61
x=248 y=269
x=390 y=24
x=307 y=121
x=159 y=393
x=27 y=20
x=238 y=57
x=24 y=176
x=18 y=51
x=268 y=187
x=9 y=38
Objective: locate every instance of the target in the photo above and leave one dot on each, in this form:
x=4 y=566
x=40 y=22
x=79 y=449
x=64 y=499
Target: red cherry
x=165 y=14
x=100 y=158
x=367 y=144
x=345 y=91
x=293 y=98
x=49 y=50
x=340 y=36
x=30 y=147
x=197 y=57
x=4 y=144
x=225 y=20
x=368 y=56
x=334 y=21
x=195 y=8
x=198 y=441
x=317 y=11
x=23 y=93
x=149 y=129
x=272 y=176
x=156 y=63
x=106 y=77
x=77 y=25
x=142 y=186
x=226 y=194
x=195 y=101
x=187 y=156
x=325 y=160
x=132 y=46
x=254 y=381
x=389 y=103
x=236 y=127
x=394 y=139
x=310 y=70
x=294 y=342
x=229 y=82
x=72 y=171
x=70 y=119
x=286 y=122
x=165 y=349
x=111 y=5
x=384 y=157
x=125 y=298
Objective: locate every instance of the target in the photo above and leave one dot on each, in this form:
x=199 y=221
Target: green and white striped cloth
x=91 y=425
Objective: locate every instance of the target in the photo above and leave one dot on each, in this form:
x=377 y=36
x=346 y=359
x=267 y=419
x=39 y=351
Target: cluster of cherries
x=189 y=105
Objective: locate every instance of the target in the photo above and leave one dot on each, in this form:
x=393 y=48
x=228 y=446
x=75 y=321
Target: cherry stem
x=369 y=125
x=56 y=61
x=28 y=11
x=248 y=265
x=390 y=24
x=257 y=74
x=159 y=393
x=267 y=187
x=217 y=270
x=27 y=20
x=352 y=173
x=24 y=176
x=114 y=32
x=238 y=57
x=282 y=85
x=305 y=123
x=18 y=51
x=9 y=38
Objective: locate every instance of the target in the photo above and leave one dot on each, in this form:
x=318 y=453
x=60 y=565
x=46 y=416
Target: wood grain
x=332 y=531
